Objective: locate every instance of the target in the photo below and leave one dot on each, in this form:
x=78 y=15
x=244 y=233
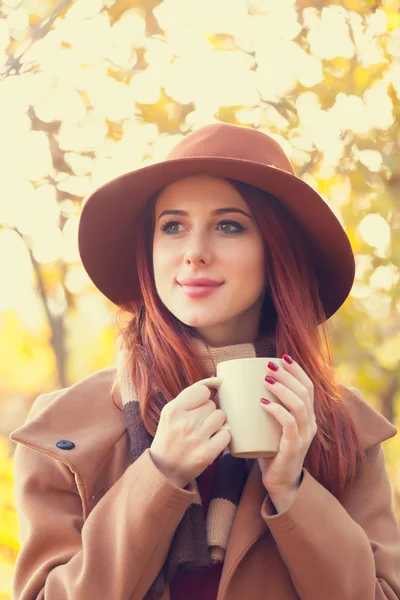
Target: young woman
x=125 y=488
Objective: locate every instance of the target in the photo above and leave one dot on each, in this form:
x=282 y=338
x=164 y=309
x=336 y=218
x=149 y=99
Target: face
x=209 y=237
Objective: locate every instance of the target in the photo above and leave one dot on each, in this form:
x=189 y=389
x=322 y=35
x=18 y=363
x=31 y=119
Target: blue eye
x=166 y=227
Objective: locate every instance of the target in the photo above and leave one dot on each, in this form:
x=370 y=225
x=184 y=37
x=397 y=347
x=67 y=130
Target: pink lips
x=203 y=281
x=200 y=286
x=199 y=290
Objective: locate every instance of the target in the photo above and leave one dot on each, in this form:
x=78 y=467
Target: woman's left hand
x=281 y=475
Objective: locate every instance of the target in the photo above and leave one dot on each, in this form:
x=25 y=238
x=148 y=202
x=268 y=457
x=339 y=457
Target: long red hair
x=159 y=344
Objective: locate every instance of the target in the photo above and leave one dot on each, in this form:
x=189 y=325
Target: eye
x=234 y=223
x=168 y=226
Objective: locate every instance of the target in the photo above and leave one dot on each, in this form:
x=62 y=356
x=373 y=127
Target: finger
x=289 y=425
x=193 y=396
x=298 y=372
x=295 y=405
x=291 y=382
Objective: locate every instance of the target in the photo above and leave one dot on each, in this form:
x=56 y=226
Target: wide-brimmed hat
x=111 y=214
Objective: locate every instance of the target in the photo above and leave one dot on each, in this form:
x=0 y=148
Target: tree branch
x=13 y=64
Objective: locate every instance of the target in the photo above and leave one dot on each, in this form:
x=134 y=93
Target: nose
x=197 y=254
x=194 y=258
x=198 y=248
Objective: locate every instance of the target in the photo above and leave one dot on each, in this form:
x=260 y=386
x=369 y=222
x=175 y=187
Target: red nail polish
x=269 y=379
x=265 y=401
x=288 y=359
x=273 y=366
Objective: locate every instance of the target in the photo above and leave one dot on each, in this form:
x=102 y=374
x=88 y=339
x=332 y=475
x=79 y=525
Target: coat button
x=65 y=445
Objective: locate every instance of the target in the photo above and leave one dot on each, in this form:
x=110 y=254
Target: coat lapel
x=248 y=526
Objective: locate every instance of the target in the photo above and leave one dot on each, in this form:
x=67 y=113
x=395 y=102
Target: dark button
x=65 y=445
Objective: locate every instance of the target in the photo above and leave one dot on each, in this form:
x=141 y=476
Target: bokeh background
x=92 y=89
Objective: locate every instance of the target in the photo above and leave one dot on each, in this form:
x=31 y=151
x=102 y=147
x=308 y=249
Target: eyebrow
x=219 y=211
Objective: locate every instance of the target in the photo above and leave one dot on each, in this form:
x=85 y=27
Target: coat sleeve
x=116 y=553
x=351 y=550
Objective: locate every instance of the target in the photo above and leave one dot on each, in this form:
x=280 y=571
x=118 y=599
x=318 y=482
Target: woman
x=139 y=497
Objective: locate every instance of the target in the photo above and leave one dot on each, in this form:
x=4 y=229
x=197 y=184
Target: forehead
x=202 y=188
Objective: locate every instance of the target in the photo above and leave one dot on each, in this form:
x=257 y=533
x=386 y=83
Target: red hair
x=156 y=339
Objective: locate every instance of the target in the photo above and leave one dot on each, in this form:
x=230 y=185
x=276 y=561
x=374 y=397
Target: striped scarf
x=199 y=541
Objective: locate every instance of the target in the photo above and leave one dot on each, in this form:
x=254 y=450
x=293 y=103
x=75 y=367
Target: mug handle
x=215 y=382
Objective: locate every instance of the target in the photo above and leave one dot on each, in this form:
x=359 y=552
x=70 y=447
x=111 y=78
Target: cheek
x=164 y=265
x=161 y=255
x=255 y=277
x=249 y=260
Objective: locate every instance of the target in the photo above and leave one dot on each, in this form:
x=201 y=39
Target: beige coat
x=94 y=526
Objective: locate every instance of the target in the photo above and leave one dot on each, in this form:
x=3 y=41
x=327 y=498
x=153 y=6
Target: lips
x=193 y=285
x=199 y=291
x=199 y=282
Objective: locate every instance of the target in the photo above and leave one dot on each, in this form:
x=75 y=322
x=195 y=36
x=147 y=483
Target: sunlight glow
x=76 y=279
x=372 y=159
x=377 y=306
x=16 y=273
x=207 y=16
x=94 y=309
x=47 y=247
x=70 y=240
x=238 y=86
x=57 y=301
x=84 y=9
x=363 y=265
x=384 y=277
x=18 y=20
x=329 y=35
x=87 y=136
x=34 y=156
x=375 y=231
x=4 y=34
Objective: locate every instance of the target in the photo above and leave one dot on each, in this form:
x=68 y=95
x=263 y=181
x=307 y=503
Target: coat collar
x=84 y=414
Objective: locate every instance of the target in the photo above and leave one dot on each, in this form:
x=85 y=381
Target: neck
x=239 y=330
x=212 y=355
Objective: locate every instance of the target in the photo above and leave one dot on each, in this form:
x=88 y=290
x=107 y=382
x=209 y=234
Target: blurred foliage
x=94 y=88
x=9 y=532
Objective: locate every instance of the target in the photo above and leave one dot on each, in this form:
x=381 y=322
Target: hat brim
x=109 y=221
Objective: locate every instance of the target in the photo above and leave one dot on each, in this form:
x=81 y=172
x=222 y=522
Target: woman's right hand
x=189 y=436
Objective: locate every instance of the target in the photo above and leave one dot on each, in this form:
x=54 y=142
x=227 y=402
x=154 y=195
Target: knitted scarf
x=199 y=541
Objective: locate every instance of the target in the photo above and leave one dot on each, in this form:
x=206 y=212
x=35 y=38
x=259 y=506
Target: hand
x=281 y=475
x=189 y=435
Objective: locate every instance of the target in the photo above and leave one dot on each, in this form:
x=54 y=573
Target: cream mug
x=240 y=385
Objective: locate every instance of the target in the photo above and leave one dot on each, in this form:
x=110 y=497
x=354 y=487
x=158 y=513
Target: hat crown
x=225 y=140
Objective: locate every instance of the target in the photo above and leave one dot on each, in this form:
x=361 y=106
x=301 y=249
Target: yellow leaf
x=393 y=20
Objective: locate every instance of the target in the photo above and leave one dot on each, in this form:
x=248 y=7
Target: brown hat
x=110 y=215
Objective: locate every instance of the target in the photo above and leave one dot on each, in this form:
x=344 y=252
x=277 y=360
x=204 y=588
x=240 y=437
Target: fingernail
x=288 y=359
x=269 y=379
x=272 y=366
x=265 y=401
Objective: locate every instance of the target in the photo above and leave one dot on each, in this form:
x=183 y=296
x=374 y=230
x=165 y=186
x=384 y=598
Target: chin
x=196 y=321
x=200 y=321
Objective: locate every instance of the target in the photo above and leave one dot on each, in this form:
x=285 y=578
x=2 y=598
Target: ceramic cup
x=240 y=385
